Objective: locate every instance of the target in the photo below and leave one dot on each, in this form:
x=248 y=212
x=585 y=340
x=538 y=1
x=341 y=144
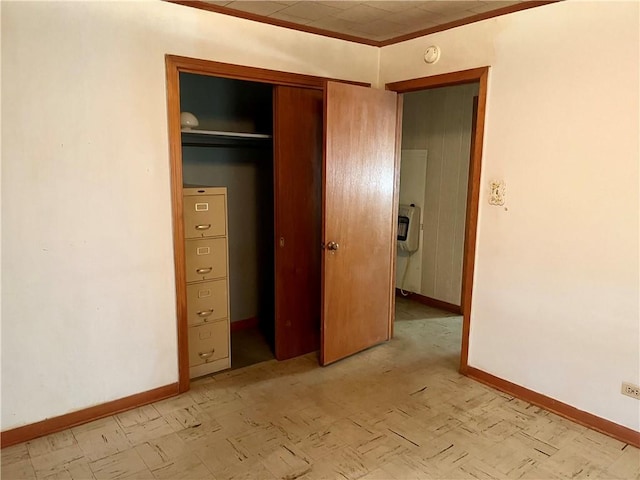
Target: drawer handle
x=204 y=271
x=205 y=313
x=203 y=227
x=206 y=355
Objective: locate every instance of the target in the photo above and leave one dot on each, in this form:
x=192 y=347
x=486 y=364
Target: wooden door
x=298 y=202
x=359 y=219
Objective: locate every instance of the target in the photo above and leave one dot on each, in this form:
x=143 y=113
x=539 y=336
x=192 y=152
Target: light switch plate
x=497 y=190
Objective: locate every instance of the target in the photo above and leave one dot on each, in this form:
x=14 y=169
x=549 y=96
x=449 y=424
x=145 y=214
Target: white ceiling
x=371 y=20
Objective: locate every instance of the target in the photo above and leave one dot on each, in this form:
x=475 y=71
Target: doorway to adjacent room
x=441 y=150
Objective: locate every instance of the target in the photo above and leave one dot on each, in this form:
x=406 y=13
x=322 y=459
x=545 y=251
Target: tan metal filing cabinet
x=204 y=215
x=207 y=265
x=205 y=259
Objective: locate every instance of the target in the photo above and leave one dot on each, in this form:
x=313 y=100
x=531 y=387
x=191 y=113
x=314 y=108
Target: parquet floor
x=397 y=411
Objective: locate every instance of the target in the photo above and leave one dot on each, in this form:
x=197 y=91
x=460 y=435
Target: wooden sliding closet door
x=298 y=195
x=359 y=219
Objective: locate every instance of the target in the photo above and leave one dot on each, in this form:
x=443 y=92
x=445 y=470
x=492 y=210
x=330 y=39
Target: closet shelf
x=215 y=133
x=212 y=138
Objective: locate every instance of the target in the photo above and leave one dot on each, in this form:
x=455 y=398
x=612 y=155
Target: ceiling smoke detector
x=432 y=54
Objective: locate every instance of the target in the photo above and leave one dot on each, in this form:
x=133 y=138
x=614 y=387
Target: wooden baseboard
x=56 y=424
x=432 y=302
x=243 y=324
x=586 y=419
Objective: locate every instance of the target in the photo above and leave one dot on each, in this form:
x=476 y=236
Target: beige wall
x=556 y=293
x=88 y=300
x=439 y=120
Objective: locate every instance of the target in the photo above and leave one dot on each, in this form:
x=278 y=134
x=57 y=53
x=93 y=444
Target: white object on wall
x=413 y=171
x=408 y=228
x=408 y=240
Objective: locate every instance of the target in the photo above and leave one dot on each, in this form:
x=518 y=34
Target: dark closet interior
x=235 y=150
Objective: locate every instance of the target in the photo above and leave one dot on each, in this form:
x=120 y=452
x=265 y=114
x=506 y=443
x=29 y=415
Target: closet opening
x=227 y=142
x=246 y=152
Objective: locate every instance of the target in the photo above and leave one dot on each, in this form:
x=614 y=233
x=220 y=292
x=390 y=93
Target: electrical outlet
x=631 y=390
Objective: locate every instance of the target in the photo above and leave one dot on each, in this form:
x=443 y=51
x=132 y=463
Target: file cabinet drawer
x=208 y=342
x=206 y=302
x=206 y=259
x=204 y=216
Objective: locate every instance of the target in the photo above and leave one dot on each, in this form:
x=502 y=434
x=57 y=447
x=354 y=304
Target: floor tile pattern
x=396 y=411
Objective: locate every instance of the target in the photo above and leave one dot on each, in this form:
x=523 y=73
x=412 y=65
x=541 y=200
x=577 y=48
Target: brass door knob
x=333 y=246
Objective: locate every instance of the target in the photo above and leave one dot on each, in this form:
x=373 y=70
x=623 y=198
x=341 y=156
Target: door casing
x=474 y=75
x=174 y=66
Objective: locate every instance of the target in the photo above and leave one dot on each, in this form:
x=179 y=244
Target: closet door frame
x=174 y=66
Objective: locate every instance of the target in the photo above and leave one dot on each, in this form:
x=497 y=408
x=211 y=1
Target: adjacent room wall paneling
x=440 y=121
